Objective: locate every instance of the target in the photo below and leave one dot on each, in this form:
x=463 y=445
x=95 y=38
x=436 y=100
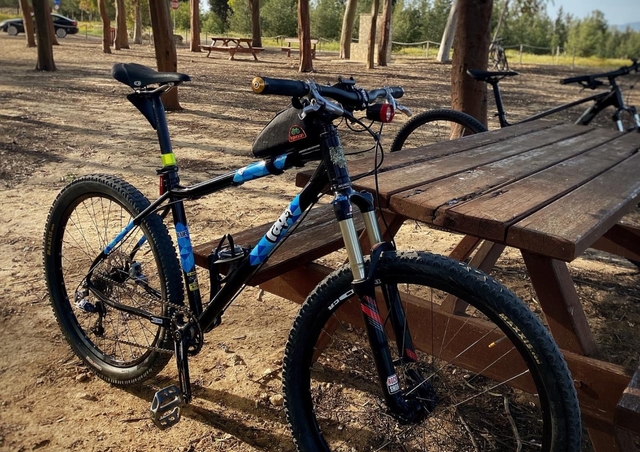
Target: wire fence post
x=427 y=52
x=573 y=59
x=521 y=46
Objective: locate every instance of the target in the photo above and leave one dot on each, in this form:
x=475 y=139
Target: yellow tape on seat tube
x=168 y=159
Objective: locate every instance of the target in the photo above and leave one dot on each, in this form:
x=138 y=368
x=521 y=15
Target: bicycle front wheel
x=142 y=272
x=490 y=378
x=434 y=126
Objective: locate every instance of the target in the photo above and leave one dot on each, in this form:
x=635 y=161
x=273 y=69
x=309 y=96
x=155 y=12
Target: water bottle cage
x=226 y=254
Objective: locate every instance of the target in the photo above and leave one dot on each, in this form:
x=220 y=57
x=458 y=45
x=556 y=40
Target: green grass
x=513 y=56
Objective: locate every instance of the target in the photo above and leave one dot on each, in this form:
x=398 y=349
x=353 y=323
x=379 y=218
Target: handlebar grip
x=282 y=87
x=396 y=91
x=582 y=78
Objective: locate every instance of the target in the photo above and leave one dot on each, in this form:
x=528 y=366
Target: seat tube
x=170 y=180
x=162 y=130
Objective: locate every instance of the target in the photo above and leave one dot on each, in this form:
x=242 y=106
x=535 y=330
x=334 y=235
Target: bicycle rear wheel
x=434 y=126
x=489 y=379
x=142 y=272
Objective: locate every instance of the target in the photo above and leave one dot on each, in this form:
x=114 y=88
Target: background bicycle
x=609 y=107
x=497 y=56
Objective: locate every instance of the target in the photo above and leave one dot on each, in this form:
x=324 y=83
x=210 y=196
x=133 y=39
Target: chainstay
x=176 y=309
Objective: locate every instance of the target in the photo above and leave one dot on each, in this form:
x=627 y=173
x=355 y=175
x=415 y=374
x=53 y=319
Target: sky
x=616 y=12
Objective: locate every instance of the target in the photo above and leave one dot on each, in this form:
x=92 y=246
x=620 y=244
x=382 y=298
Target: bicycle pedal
x=165 y=407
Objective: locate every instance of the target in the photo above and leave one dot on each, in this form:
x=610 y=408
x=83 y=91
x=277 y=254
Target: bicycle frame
x=612 y=98
x=332 y=170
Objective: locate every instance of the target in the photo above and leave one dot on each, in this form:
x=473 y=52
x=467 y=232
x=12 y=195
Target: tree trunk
x=122 y=37
x=137 y=26
x=304 y=34
x=503 y=14
x=449 y=33
x=28 y=23
x=44 y=27
x=471 y=52
x=347 y=29
x=52 y=30
x=106 y=27
x=165 y=47
x=195 y=25
x=371 y=44
x=385 y=39
x=256 y=34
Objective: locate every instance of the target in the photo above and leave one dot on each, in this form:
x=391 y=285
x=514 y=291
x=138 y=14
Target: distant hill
x=633 y=25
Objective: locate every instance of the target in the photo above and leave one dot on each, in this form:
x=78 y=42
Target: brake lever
x=406 y=111
x=396 y=106
x=318 y=102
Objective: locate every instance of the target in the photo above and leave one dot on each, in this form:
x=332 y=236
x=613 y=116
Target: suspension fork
x=363 y=282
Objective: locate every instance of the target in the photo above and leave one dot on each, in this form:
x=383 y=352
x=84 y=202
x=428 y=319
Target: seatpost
x=162 y=129
x=502 y=117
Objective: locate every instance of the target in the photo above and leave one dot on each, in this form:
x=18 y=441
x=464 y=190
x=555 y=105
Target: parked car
x=62 y=26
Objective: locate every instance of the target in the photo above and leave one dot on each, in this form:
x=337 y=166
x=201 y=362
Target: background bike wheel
x=434 y=126
x=87 y=214
x=494 y=377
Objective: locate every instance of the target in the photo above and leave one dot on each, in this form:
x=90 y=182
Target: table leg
x=559 y=301
x=483 y=260
x=621 y=240
x=464 y=249
x=567 y=321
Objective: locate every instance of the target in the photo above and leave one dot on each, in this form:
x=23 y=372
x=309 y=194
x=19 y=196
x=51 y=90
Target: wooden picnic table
x=548 y=189
x=293 y=45
x=232 y=45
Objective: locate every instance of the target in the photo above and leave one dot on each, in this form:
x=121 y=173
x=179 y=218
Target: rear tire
x=434 y=126
x=334 y=400
x=61 y=33
x=124 y=348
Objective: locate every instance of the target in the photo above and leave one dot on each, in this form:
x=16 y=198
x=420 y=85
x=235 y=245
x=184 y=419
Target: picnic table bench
x=547 y=189
x=293 y=45
x=232 y=46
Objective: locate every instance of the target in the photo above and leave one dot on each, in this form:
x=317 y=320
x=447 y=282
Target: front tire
x=333 y=397
x=434 y=126
x=12 y=30
x=142 y=272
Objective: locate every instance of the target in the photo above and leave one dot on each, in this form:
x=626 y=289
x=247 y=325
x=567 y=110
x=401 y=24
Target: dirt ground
x=55 y=127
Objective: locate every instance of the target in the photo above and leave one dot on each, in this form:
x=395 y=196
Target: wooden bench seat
x=295 y=41
x=317 y=236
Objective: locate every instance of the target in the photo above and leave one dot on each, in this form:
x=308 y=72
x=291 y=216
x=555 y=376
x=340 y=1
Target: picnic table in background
x=232 y=45
x=293 y=45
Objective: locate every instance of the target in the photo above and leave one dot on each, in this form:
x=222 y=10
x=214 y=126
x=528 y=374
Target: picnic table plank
x=543 y=233
x=491 y=214
x=474 y=183
x=413 y=176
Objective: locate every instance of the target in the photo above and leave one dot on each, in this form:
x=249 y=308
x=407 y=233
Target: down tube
x=267 y=243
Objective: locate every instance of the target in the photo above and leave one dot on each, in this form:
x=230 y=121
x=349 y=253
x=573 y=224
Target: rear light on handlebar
x=381 y=112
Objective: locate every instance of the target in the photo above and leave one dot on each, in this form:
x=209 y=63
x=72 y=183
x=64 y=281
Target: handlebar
x=355 y=98
x=591 y=81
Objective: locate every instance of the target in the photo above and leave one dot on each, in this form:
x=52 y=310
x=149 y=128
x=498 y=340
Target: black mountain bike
x=361 y=369
x=439 y=125
x=497 y=56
